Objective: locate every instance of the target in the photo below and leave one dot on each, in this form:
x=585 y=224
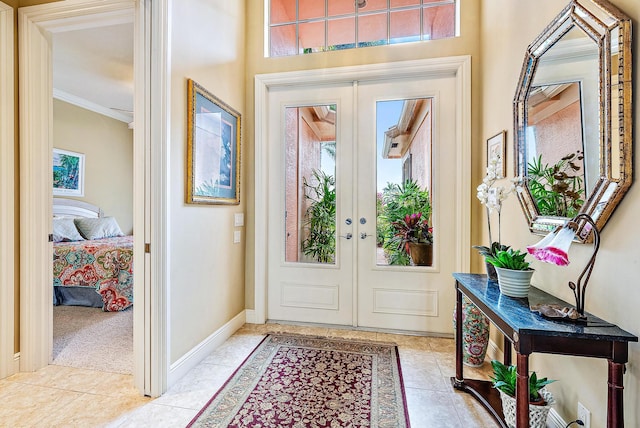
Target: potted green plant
x=514 y=273
x=395 y=202
x=540 y=400
x=491 y=252
x=416 y=236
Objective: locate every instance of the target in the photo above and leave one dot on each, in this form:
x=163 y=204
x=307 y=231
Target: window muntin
x=307 y=26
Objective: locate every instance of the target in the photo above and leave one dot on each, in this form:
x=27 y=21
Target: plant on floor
x=504 y=378
x=320 y=217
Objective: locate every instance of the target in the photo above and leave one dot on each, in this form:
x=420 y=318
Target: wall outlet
x=236 y=236
x=584 y=415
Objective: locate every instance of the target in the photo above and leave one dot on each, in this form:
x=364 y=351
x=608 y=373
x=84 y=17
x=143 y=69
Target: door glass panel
x=403 y=176
x=310 y=187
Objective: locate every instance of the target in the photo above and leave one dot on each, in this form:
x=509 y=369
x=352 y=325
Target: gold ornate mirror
x=572 y=111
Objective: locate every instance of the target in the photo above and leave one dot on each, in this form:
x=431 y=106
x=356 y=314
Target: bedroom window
x=306 y=26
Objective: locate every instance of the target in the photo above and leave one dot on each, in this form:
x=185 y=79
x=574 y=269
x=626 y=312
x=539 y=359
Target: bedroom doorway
x=93 y=195
x=36 y=23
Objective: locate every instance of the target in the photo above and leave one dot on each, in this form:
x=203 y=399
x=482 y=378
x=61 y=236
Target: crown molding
x=88 y=105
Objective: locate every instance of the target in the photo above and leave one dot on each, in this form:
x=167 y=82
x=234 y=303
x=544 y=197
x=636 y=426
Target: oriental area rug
x=297 y=381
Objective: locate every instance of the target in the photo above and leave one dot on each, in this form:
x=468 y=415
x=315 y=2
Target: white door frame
x=7 y=191
x=459 y=66
x=35 y=24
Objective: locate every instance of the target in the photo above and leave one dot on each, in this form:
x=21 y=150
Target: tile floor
x=58 y=396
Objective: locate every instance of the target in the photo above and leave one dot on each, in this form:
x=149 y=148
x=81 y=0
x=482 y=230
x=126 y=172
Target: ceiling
x=93 y=68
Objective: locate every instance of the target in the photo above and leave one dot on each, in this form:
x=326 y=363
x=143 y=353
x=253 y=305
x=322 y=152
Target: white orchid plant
x=491 y=195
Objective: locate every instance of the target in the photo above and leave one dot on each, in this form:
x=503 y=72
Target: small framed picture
x=496 y=148
x=213 y=149
x=68 y=173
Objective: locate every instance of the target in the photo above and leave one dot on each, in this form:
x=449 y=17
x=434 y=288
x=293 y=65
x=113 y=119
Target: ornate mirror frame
x=610 y=30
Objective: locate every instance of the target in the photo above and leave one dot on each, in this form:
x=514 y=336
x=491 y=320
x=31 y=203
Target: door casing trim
x=458 y=66
x=151 y=343
x=7 y=190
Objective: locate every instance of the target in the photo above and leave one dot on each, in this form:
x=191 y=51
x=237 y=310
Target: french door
x=335 y=153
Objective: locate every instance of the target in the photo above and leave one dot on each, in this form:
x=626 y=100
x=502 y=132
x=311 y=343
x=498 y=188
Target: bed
x=92 y=259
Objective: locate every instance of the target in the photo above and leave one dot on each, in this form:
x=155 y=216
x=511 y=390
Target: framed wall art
x=68 y=173
x=496 y=146
x=213 y=149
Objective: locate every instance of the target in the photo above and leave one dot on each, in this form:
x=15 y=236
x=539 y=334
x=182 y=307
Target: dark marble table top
x=517 y=314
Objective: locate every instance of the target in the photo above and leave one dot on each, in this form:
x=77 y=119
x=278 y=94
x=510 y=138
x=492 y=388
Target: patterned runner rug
x=300 y=381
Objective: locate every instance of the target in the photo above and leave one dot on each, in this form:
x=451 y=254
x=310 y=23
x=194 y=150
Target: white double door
x=355 y=288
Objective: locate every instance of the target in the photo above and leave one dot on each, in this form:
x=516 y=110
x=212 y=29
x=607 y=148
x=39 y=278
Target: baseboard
x=554 y=420
x=204 y=348
x=250 y=316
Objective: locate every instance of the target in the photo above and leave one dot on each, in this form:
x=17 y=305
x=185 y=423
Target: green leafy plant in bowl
x=509 y=259
x=490 y=251
x=504 y=379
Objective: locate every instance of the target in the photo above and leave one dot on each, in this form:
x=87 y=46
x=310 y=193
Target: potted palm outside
x=514 y=273
x=540 y=400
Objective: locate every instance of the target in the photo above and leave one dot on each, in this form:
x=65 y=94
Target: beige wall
x=613 y=292
x=466 y=44
x=206 y=272
x=107 y=145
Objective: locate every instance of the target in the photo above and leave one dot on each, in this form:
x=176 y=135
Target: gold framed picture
x=213 y=149
x=496 y=147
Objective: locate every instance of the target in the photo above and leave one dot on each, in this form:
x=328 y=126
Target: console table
x=529 y=332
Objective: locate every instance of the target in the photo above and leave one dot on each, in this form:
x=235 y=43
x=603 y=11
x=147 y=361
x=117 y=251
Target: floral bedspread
x=104 y=264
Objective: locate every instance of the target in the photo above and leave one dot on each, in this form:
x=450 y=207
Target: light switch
x=236 y=236
x=238 y=219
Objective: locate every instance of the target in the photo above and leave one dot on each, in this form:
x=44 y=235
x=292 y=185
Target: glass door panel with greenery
x=403 y=205
x=310 y=185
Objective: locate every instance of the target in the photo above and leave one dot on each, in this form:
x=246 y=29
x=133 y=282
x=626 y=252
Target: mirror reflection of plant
x=558 y=189
x=398 y=201
x=320 y=217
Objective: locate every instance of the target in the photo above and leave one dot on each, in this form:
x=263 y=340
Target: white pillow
x=98 y=228
x=64 y=229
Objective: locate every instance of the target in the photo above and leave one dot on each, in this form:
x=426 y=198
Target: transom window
x=307 y=26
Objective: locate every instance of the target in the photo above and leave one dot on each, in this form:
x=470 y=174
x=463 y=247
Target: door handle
x=347 y=236
x=364 y=235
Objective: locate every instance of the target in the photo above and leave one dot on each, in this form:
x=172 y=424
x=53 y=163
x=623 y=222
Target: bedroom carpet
x=311 y=381
x=89 y=338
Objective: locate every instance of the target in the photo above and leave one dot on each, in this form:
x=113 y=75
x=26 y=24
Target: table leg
x=459 y=375
x=507 y=351
x=615 y=409
x=522 y=390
